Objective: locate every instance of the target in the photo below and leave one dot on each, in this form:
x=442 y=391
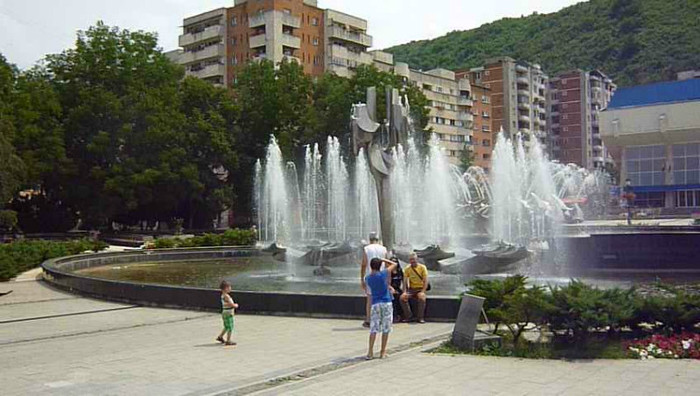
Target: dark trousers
x=420 y=305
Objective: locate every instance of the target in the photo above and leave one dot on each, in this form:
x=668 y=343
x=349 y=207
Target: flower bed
x=675 y=346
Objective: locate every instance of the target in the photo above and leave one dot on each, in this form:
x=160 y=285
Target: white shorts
x=381 y=318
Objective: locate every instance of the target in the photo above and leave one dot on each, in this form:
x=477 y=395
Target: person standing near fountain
x=227 y=307
x=371 y=251
x=416 y=285
x=382 y=315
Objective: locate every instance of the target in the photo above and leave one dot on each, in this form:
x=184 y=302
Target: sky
x=30 y=29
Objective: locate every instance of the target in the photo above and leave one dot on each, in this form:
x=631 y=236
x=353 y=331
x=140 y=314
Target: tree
x=11 y=166
x=466 y=158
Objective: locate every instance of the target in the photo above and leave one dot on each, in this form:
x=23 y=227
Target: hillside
x=634 y=41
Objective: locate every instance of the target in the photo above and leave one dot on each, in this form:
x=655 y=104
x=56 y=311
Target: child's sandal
x=220 y=339
x=229 y=343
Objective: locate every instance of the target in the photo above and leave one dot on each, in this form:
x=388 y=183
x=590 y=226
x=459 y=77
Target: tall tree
x=11 y=166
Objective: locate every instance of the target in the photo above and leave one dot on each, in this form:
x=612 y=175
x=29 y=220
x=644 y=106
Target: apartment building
x=656 y=128
x=450 y=101
x=518 y=97
x=576 y=99
x=483 y=136
x=215 y=43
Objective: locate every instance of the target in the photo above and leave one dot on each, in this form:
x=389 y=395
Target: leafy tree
x=11 y=166
x=143 y=144
x=466 y=158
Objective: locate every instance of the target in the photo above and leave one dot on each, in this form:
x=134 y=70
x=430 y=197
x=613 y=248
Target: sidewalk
x=134 y=350
x=57 y=343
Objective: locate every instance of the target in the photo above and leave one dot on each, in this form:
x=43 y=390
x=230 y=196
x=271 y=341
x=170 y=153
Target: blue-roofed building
x=656 y=130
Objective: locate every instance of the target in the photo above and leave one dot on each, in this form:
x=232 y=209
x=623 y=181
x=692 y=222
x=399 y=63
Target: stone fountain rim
x=56 y=273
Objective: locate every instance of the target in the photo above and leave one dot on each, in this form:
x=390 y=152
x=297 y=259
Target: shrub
x=577 y=308
x=675 y=313
x=233 y=237
x=8 y=220
x=511 y=303
x=20 y=256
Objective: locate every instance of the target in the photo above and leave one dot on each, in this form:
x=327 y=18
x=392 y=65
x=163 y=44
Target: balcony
x=464 y=101
x=357 y=38
x=598 y=159
x=540 y=121
x=465 y=116
x=524 y=106
x=291 y=20
x=598 y=147
x=209 y=33
x=213 y=51
x=258 y=41
x=523 y=80
x=523 y=118
x=208 y=71
x=521 y=68
x=291 y=41
x=256 y=21
x=524 y=92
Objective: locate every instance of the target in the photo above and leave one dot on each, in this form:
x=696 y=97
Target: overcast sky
x=30 y=29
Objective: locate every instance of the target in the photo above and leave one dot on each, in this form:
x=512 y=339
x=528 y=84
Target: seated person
x=415 y=287
x=396 y=288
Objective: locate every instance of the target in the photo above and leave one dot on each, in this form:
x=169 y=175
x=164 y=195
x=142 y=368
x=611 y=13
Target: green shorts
x=228 y=321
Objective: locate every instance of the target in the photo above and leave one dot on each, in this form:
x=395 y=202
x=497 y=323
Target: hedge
x=577 y=310
x=23 y=255
x=233 y=237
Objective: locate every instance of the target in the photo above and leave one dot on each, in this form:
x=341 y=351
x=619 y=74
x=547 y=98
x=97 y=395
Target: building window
x=686 y=163
x=233 y=41
x=234 y=21
x=649 y=200
x=288 y=11
x=688 y=199
x=314 y=21
x=645 y=165
x=234 y=60
x=486 y=143
x=485 y=128
x=486 y=156
x=485 y=114
x=316 y=41
x=487 y=72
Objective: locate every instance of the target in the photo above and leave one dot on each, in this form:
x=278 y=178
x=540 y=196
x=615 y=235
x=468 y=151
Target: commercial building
x=214 y=43
x=657 y=130
x=518 y=97
x=576 y=98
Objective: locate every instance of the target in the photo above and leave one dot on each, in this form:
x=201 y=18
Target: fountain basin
x=90 y=275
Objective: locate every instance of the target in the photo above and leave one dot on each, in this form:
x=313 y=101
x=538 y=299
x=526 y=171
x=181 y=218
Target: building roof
x=654 y=94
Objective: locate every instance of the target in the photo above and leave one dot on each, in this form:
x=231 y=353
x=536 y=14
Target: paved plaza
x=53 y=342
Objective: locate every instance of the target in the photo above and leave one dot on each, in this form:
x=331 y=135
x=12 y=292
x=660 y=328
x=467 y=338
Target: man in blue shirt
x=381 y=315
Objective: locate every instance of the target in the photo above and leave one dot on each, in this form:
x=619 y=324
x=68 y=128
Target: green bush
x=511 y=303
x=21 y=256
x=8 y=220
x=670 y=314
x=233 y=237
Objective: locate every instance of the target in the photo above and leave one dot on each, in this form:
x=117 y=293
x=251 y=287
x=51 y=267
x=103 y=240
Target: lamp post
x=628 y=194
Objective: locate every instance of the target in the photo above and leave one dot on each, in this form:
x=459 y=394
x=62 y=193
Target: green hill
x=633 y=41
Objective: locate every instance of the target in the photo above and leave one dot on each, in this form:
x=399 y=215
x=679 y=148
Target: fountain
x=313 y=216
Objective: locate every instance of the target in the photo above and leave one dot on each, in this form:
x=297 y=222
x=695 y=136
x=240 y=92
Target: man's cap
x=373 y=236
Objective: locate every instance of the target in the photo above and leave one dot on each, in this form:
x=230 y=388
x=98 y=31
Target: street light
x=628 y=195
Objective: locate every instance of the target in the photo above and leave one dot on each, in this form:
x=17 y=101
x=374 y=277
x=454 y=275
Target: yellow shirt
x=415 y=281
